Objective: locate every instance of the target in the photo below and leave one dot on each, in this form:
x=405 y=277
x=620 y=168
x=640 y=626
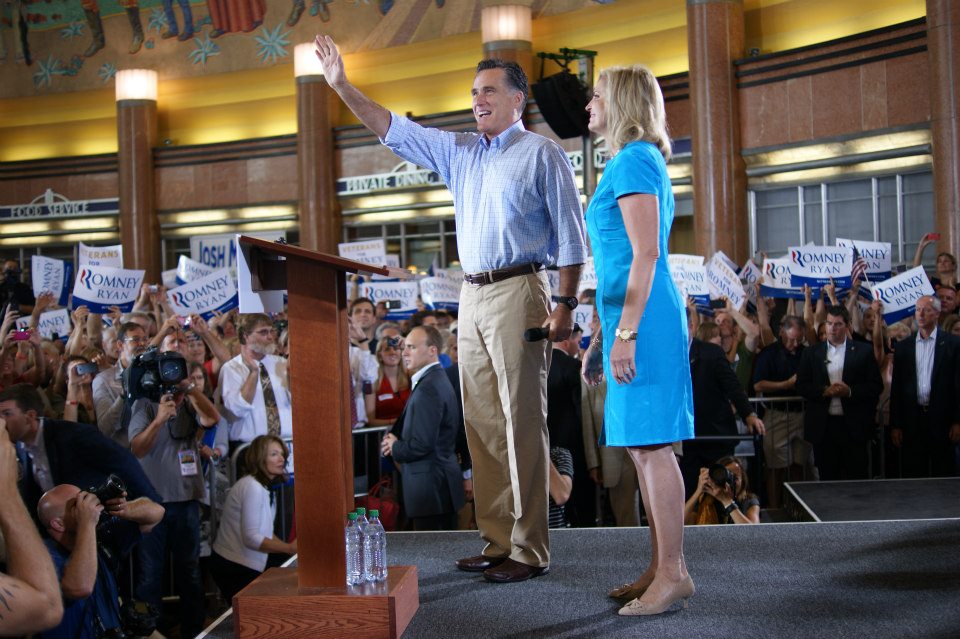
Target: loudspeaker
x=562 y=100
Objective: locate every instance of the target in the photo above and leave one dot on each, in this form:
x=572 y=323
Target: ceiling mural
x=52 y=46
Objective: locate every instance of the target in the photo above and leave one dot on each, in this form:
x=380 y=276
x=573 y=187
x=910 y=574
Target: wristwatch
x=625 y=334
x=569 y=302
x=730 y=508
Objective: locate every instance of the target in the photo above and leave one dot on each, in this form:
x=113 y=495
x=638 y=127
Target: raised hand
x=331 y=60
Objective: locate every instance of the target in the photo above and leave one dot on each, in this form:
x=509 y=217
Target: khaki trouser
x=504 y=385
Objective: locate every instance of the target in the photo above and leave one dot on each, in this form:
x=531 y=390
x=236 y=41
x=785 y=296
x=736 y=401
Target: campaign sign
x=373 y=252
x=220 y=251
x=583 y=315
x=390 y=259
x=403 y=292
x=750 y=274
x=169 y=278
x=690 y=277
x=776 y=280
x=875 y=254
x=554 y=279
x=723 y=282
x=899 y=294
x=213 y=292
x=441 y=292
x=51 y=276
x=588 y=276
x=189 y=270
x=49 y=323
x=100 y=287
x=817 y=265
x=111 y=256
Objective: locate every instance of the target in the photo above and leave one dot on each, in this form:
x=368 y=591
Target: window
x=894 y=208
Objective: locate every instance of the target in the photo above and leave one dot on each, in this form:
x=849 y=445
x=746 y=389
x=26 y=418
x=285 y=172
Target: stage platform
x=804 y=580
x=874 y=500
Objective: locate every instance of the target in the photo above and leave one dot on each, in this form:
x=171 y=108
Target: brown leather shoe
x=511 y=571
x=479 y=563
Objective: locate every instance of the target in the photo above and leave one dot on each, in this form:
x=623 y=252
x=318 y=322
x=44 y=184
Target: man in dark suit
x=841 y=382
x=925 y=397
x=432 y=480
x=715 y=388
x=56 y=452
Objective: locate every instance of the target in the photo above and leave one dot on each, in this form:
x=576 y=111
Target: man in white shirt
x=924 y=406
x=254 y=389
x=841 y=382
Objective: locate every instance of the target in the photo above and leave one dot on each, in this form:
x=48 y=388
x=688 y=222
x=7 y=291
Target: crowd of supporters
x=834 y=391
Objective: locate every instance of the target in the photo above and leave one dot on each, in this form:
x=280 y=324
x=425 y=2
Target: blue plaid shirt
x=515 y=197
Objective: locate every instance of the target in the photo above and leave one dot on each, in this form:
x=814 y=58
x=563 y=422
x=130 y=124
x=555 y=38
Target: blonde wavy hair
x=634 y=108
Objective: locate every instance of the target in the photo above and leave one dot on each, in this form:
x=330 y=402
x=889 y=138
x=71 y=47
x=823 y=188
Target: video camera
x=153 y=374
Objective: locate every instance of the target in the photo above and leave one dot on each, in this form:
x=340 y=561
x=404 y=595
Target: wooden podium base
x=273 y=606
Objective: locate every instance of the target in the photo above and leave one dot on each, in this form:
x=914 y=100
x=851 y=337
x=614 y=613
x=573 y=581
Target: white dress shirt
x=247 y=520
x=925 y=354
x=835 y=357
x=249 y=419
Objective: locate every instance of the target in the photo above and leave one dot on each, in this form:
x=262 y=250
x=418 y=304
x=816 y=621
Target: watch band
x=732 y=507
x=570 y=302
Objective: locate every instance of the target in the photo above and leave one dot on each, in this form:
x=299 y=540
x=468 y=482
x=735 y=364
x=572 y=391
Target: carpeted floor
x=886 y=579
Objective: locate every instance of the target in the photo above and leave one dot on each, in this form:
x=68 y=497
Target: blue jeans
x=172 y=19
x=179 y=533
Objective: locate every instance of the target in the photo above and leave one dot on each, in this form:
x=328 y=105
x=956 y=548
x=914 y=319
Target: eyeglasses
x=136 y=340
x=265 y=331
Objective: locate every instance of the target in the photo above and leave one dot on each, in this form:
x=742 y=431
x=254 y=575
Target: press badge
x=385 y=397
x=188 y=463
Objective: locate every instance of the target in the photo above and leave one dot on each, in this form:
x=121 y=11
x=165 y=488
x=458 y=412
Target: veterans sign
x=111 y=256
x=690 y=277
x=213 y=292
x=51 y=276
x=100 y=287
x=723 y=281
x=373 y=252
x=817 y=265
x=899 y=294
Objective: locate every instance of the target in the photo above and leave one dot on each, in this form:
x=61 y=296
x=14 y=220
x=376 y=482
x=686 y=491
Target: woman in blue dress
x=642 y=349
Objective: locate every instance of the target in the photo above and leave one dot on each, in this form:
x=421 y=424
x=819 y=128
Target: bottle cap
x=352 y=516
x=361 y=511
x=374 y=513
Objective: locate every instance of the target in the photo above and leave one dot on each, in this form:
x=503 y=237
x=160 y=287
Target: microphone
x=542 y=333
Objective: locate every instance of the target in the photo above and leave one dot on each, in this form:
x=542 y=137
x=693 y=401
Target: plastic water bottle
x=354 y=542
x=375 y=550
x=363 y=524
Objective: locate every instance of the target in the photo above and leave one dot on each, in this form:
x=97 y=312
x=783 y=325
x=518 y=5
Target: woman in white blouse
x=245 y=536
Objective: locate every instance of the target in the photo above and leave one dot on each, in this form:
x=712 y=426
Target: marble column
x=943 y=48
x=715 y=38
x=506 y=34
x=139 y=227
x=319 y=208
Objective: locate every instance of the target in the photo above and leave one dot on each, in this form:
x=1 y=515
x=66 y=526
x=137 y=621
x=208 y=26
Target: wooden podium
x=313 y=599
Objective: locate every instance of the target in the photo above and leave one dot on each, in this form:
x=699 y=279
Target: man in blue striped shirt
x=517 y=211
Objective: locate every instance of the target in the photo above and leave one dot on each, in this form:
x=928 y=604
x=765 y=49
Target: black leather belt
x=489 y=277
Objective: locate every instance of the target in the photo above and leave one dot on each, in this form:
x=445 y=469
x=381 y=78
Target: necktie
x=354 y=414
x=270 y=401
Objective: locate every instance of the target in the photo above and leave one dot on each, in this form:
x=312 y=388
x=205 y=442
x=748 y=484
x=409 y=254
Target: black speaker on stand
x=562 y=101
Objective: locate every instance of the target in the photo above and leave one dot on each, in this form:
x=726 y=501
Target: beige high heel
x=683 y=591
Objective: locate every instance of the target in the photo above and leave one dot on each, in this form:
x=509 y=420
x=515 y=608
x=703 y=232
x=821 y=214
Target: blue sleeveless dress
x=657 y=406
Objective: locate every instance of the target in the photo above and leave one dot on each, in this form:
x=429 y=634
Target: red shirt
x=390 y=403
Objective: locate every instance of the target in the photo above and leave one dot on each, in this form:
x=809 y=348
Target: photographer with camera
x=113 y=412
x=722 y=496
x=167 y=416
x=87 y=530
